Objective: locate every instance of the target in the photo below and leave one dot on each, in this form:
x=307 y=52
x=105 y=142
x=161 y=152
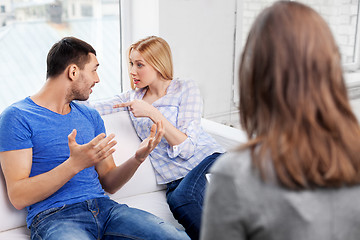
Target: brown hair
x=293 y=100
x=69 y=50
x=155 y=51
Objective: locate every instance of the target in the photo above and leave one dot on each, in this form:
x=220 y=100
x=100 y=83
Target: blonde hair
x=156 y=52
x=293 y=100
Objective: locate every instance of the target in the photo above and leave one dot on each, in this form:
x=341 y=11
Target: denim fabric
x=185 y=196
x=101 y=218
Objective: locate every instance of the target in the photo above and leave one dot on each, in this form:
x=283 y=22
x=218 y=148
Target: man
x=57 y=161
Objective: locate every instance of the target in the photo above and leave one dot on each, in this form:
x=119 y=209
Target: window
x=342 y=17
x=86 y=11
x=30 y=27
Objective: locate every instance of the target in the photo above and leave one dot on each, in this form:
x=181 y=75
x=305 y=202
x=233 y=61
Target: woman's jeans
x=185 y=196
x=101 y=218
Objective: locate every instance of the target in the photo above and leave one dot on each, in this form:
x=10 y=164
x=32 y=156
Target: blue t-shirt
x=28 y=125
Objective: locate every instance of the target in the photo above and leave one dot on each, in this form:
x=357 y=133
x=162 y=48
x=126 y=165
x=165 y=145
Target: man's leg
x=71 y=222
x=185 y=197
x=131 y=223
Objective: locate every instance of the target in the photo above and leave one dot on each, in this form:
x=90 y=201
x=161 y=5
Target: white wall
x=140 y=18
x=201 y=36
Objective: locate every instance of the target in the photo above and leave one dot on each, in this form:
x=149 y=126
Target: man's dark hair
x=68 y=50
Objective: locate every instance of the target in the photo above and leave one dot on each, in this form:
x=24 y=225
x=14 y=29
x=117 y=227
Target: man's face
x=88 y=77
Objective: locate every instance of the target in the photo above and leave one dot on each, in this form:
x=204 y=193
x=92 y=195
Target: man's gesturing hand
x=156 y=133
x=88 y=155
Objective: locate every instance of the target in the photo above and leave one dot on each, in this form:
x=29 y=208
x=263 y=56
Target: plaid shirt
x=182 y=107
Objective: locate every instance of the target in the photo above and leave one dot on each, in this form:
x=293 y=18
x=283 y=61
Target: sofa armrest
x=226 y=136
x=10 y=217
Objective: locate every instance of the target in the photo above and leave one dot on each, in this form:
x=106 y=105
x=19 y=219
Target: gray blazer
x=238 y=205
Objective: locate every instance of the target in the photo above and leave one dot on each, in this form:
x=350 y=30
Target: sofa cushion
x=155 y=203
x=143 y=180
x=228 y=137
x=10 y=217
x=21 y=233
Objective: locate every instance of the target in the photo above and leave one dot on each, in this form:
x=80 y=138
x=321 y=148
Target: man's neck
x=53 y=97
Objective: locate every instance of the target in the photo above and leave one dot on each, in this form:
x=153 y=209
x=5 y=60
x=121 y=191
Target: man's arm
x=112 y=178
x=24 y=190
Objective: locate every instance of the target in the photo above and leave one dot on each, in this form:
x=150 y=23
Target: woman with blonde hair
x=298 y=175
x=186 y=152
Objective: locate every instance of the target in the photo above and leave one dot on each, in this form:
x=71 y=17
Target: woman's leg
x=185 y=197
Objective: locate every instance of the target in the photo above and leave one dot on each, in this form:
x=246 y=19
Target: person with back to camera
x=298 y=175
x=58 y=163
x=182 y=159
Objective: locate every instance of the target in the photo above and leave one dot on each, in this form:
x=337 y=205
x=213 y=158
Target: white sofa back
x=128 y=141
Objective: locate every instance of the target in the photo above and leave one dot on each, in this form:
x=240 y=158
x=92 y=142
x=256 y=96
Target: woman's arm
x=140 y=108
x=106 y=106
x=183 y=137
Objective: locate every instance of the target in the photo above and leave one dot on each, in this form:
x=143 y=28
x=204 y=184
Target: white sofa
x=140 y=192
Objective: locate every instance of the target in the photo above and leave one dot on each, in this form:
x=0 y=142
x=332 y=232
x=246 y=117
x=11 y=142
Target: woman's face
x=143 y=73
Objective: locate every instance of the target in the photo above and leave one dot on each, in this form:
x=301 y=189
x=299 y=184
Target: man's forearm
x=118 y=176
x=28 y=191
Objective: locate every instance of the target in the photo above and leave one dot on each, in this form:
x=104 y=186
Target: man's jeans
x=101 y=218
x=186 y=196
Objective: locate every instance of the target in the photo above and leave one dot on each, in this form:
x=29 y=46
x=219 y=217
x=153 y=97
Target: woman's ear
x=73 y=72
